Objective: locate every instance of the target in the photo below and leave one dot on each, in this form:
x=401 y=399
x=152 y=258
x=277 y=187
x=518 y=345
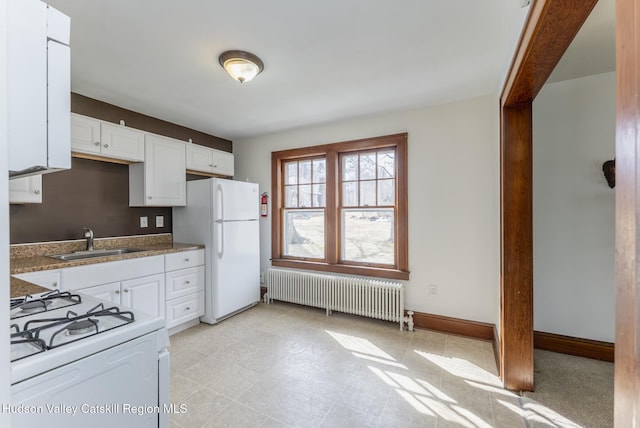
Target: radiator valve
x=409 y=320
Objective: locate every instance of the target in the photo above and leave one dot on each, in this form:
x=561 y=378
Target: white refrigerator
x=223 y=215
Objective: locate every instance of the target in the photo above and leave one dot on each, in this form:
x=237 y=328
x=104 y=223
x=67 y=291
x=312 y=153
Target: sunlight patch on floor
x=359 y=344
x=424 y=397
x=462 y=368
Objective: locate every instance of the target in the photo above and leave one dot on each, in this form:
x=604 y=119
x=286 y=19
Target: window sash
x=332 y=153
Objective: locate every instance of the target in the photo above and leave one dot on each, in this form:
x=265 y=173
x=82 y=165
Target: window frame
x=332 y=262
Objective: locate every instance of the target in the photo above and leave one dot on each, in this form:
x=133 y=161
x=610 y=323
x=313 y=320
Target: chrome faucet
x=89 y=235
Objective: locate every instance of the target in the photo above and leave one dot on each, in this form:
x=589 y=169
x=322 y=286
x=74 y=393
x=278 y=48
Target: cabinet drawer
x=184 y=309
x=183 y=259
x=47 y=278
x=184 y=281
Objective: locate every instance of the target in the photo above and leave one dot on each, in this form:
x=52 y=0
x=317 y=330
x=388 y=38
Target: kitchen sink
x=77 y=255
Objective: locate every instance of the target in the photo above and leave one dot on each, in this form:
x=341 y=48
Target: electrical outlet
x=159 y=221
x=433 y=290
x=144 y=221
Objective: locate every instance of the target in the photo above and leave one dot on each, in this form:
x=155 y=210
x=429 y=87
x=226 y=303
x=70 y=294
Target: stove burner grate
x=35 y=306
x=82 y=327
x=28 y=344
x=55 y=299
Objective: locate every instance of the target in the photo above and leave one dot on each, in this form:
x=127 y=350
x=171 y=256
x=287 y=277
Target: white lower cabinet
x=184 y=309
x=109 y=292
x=144 y=294
x=45 y=278
x=134 y=283
x=184 y=282
x=169 y=286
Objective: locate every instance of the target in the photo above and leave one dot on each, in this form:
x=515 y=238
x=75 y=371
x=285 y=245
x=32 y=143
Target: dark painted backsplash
x=91 y=194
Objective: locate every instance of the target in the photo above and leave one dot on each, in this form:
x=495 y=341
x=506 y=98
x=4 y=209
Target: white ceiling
x=324 y=60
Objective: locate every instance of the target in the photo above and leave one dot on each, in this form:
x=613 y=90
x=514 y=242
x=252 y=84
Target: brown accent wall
x=95 y=194
x=101 y=110
x=91 y=194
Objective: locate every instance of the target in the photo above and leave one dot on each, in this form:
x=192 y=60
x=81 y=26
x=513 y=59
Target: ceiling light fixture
x=242 y=66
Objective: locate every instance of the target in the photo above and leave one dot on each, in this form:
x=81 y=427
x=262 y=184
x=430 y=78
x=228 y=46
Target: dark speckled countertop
x=22 y=288
x=32 y=257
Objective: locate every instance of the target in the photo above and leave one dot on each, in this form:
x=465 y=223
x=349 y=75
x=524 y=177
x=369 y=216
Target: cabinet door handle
x=37 y=192
x=187 y=282
x=211 y=164
x=126 y=290
x=106 y=146
x=117 y=291
x=54 y=284
x=97 y=143
x=215 y=166
x=187 y=308
x=149 y=197
x=186 y=260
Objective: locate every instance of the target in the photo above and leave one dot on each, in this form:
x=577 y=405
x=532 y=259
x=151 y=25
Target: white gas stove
x=79 y=361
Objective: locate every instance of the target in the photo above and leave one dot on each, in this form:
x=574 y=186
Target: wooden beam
x=516 y=213
x=549 y=29
x=627 y=352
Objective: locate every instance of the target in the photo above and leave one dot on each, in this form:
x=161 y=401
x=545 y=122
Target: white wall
x=453 y=198
x=573 y=208
x=4 y=221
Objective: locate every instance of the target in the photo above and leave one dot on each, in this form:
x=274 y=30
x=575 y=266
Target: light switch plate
x=159 y=221
x=144 y=221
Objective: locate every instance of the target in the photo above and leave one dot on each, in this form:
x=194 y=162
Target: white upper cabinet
x=26 y=190
x=121 y=142
x=85 y=134
x=38 y=90
x=222 y=163
x=104 y=139
x=199 y=158
x=160 y=181
x=208 y=160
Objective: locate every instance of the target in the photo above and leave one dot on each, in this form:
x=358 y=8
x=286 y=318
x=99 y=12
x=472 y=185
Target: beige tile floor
x=283 y=365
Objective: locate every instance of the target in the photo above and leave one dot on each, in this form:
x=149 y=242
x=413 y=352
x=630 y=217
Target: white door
x=199 y=158
x=145 y=294
x=222 y=162
x=164 y=172
x=122 y=143
x=58 y=105
x=85 y=134
x=109 y=292
x=236 y=266
x=236 y=200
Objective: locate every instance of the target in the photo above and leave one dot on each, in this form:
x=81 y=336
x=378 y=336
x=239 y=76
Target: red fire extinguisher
x=264 y=202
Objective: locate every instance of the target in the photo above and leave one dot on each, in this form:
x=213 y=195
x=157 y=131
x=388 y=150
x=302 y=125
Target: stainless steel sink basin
x=77 y=255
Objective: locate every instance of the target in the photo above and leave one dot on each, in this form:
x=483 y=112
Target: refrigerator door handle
x=220 y=221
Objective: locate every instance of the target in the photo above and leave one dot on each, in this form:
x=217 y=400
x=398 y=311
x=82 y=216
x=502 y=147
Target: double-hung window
x=342 y=207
